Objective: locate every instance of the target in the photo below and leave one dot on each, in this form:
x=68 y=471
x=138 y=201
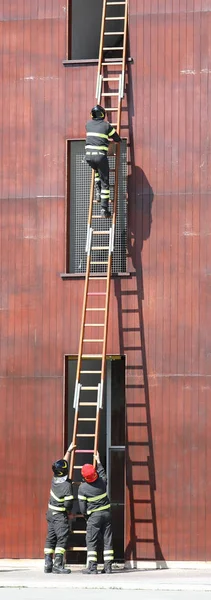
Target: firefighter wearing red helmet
x=95 y=506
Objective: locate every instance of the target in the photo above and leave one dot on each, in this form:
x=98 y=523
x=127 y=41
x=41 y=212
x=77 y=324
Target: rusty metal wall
x=159 y=316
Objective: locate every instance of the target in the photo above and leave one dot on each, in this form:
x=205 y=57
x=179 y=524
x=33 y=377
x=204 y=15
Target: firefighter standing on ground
x=95 y=506
x=60 y=503
x=98 y=134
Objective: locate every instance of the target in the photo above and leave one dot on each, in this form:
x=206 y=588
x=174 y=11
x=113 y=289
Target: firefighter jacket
x=93 y=496
x=98 y=133
x=61 y=495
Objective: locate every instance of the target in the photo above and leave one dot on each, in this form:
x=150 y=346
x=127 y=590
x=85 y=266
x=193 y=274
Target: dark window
x=84 y=28
x=79 y=176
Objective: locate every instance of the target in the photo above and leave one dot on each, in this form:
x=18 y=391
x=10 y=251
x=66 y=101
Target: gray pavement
x=29 y=574
x=52 y=594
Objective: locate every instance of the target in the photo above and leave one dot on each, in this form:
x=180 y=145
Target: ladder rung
x=114 y=3
x=110 y=109
x=85 y=387
x=100 y=247
x=77 y=467
x=110 y=78
x=117 y=48
x=78 y=531
x=77 y=548
x=101 y=232
x=85 y=434
x=84 y=419
x=115 y=18
x=95 y=309
x=110 y=94
x=97 y=217
x=105 y=64
x=88 y=404
x=91 y=355
x=114 y=33
x=96 y=293
x=98 y=278
x=98 y=262
x=93 y=325
x=83 y=452
x=92 y=341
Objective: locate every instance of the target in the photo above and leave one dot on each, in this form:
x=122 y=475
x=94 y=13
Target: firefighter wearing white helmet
x=95 y=506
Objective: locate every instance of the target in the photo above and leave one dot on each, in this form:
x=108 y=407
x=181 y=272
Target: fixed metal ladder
x=99 y=245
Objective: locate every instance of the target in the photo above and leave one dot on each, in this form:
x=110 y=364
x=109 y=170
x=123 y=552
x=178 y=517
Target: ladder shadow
x=143 y=536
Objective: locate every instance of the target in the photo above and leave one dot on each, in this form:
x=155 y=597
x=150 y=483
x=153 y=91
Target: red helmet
x=89 y=473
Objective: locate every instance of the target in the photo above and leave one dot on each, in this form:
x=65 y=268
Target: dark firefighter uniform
x=98 y=134
x=60 y=503
x=95 y=506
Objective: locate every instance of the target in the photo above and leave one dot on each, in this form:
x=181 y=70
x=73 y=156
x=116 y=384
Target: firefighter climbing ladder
x=100 y=243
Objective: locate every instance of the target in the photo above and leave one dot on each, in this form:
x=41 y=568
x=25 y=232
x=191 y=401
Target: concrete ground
x=29 y=574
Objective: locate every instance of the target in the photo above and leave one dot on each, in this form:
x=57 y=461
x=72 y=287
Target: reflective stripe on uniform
x=96 y=497
x=97 y=176
x=48 y=550
x=97 y=509
x=101 y=135
x=68 y=498
x=108 y=553
x=105 y=193
x=59 y=550
x=57 y=508
x=91 y=552
x=56 y=497
x=112 y=132
x=82 y=497
x=97 y=147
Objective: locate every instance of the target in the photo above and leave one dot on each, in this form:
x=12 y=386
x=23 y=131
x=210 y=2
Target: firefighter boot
x=48 y=563
x=105 y=213
x=91 y=569
x=107 y=568
x=59 y=567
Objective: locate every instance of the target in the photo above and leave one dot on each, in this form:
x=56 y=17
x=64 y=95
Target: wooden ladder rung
x=98 y=262
x=87 y=387
x=115 y=18
x=110 y=94
x=88 y=403
x=110 y=109
x=92 y=341
x=117 y=48
x=85 y=434
x=95 y=309
x=98 y=278
x=100 y=247
x=78 y=531
x=93 y=325
x=105 y=64
x=95 y=232
x=88 y=419
x=114 y=33
x=110 y=78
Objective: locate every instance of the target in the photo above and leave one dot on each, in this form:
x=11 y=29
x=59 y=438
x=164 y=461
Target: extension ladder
x=100 y=244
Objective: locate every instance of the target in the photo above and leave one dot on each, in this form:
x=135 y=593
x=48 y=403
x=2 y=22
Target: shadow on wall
x=141 y=526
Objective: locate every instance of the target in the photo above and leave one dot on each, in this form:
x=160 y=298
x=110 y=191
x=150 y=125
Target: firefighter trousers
x=99 y=523
x=58 y=532
x=99 y=162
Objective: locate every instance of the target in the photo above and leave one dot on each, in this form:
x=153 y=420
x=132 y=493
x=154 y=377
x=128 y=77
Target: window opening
x=79 y=176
